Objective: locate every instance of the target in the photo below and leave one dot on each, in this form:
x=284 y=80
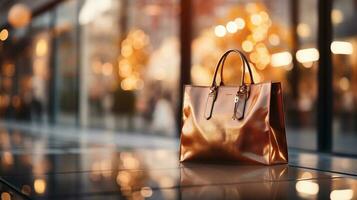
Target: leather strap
x=242 y=94
x=222 y=61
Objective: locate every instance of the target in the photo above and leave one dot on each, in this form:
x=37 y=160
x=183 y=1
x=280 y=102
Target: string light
x=281 y=59
x=240 y=23
x=307 y=55
x=232 y=27
x=220 y=31
x=303 y=30
x=340 y=47
x=247 y=45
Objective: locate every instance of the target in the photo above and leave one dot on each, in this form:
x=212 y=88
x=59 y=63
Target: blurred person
x=163 y=116
x=38 y=99
x=124 y=108
x=150 y=97
x=346 y=116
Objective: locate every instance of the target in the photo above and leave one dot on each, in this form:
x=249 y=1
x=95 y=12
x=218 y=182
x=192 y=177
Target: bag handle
x=222 y=62
x=242 y=93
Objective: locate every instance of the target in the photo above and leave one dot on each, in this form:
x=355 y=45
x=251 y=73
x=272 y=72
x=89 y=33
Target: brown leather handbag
x=234 y=123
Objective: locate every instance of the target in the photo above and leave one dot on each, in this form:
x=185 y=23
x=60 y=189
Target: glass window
x=301 y=120
x=344 y=51
x=65 y=55
x=129 y=65
x=25 y=72
x=262 y=30
x=40 y=80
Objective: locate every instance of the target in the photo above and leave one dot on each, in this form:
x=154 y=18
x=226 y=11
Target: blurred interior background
x=120 y=64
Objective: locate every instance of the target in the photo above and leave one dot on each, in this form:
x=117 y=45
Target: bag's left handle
x=242 y=94
x=221 y=62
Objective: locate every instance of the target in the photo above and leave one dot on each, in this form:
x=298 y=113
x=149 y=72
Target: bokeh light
x=19 y=15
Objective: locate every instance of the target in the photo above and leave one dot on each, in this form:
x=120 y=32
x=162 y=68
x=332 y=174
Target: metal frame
x=53 y=82
x=325 y=87
x=185 y=52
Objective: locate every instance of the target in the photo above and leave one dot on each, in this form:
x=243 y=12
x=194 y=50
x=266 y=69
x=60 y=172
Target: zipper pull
x=240 y=101
x=236 y=102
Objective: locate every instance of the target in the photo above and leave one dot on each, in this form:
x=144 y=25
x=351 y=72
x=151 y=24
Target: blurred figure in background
x=38 y=99
x=163 y=115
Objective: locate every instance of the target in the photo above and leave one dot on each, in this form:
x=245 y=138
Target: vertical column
x=325 y=90
x=294 y=75
x=53 y=82
x=79 y=70
x=185 y=52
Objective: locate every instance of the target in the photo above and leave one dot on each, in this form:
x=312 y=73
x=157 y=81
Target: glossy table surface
x=45 y=163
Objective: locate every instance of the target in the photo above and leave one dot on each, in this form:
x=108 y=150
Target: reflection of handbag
x=205 y=181
x=244 y=123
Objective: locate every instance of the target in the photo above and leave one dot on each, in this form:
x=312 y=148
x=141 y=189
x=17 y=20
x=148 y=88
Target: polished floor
x=46 y=163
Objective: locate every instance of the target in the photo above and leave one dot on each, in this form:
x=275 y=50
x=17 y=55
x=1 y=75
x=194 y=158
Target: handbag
x=242 y=123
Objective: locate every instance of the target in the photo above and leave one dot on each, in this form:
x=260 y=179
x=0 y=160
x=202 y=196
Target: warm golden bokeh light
x=125 y=69
x=303 y=30
x=259 y=37
x=39 y=186
x=5 y=196
x=220 y=31
x=240 y=23
x=232 y=27
x=307 y=188
x=123 y=178
x=344 y=194
x=130 y=162
x=41 y=47
x=281 y=59
x=39 y=67
x=126 y=51
x=274 y=39
x=247 y=46
x=340 y=47
x=344 y=83
x=133 y=58
x=336 y=16
x=7 y=158
x=256 y=19
x=251 y=7
x=306 y=175
x=107 y=69
x=307 y=55
x=4 y=34
x=19 y=15
x=146 y=192
x=132 y=83
x=308 y=64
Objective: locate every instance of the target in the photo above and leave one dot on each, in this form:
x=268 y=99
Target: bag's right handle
x=242 y=93
x=222 y=62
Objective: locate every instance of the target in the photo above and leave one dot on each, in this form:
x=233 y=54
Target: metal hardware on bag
x=240 y=102
x=212 y=91
x=236 y=99
x=212 y=96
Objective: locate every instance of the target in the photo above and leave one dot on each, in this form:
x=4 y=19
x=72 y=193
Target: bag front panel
x=221 y=137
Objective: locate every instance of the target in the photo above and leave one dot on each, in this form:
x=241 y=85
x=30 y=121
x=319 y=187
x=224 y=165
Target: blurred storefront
x=115 y=64
x=96 y=64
